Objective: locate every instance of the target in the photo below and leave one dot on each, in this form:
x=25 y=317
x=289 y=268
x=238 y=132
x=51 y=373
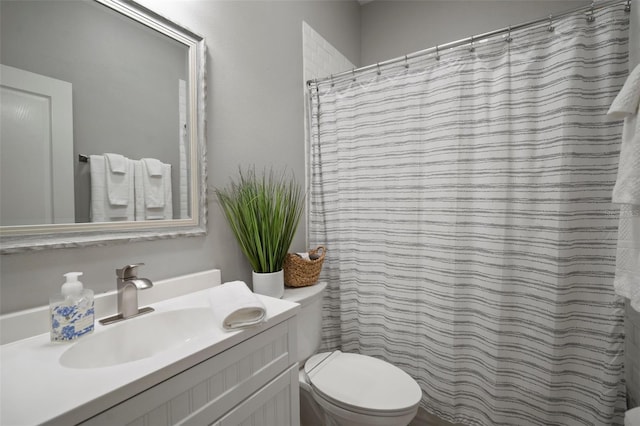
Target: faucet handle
x=129 y=271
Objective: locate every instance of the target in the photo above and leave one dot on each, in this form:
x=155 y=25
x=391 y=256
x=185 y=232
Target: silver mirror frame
x=17 y=239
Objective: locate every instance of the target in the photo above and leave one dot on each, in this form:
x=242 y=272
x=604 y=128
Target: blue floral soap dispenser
x=72 y=312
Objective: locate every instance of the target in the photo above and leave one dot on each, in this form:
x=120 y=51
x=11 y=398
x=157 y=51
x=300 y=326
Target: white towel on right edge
x=142 y=211
x=627 y=191
x=153 y=181
x=625 y=106
x=235 y=306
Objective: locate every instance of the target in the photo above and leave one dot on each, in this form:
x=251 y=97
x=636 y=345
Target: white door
x=36 y=149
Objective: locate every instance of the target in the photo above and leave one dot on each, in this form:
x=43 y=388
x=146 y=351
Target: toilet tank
x=309 y=317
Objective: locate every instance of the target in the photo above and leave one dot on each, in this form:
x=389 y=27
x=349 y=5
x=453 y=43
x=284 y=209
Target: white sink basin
x=139 y=338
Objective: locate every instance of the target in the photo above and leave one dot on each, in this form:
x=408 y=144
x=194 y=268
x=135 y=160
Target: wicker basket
x=299 y=272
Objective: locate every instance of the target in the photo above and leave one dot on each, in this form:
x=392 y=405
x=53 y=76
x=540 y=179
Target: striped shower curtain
x=465 y=206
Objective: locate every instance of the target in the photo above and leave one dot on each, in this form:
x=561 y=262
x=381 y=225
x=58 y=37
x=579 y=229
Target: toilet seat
x=632 y=417
x=362 y=384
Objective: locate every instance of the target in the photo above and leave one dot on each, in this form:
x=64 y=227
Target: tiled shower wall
x=319 y=59
x=632 y=357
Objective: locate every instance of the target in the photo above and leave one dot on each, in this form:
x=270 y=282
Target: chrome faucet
x=128 y=285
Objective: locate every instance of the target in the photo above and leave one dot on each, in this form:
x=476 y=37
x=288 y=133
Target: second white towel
x=153 y=180
x=143 y=211
x=235 y=306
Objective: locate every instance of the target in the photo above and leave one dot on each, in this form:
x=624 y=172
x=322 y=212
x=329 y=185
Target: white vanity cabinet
x=253 y=382
x=271 y=405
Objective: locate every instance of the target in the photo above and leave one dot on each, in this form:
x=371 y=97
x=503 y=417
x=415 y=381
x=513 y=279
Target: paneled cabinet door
x=276 y=404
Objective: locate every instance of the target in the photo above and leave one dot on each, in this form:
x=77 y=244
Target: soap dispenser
x=72 y=312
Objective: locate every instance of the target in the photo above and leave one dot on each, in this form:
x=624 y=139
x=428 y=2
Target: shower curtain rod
x=470 y=40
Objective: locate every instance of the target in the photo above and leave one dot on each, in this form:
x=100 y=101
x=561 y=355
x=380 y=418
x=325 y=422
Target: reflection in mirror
x=101 y=125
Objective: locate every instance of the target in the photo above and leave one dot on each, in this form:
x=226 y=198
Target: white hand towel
x=142 y=212
x=117 y=163
x=101 y=209
x=165 y=212
x=625 y=105
x=235 y=306
x=119 y=179
x=154 y=166
x=153 y=181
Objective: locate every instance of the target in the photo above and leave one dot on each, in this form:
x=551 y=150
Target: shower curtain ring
x=627 y=7
x=332 y=83
x=406 y=62
x=353 y=72
x=437 y=53
x=590 y=16
x=378 y=65
x=550 y=28
x=509 y=39
x=471 y=47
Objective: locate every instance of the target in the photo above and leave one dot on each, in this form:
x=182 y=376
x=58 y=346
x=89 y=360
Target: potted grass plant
x=263 y=211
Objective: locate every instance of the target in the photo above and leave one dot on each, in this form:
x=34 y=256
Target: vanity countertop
x=37 y=389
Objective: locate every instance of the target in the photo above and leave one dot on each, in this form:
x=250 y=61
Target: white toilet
x=345 y=389
x=632 y=417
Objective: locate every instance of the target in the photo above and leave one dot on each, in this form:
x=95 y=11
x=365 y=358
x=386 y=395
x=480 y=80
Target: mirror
x=81 y=81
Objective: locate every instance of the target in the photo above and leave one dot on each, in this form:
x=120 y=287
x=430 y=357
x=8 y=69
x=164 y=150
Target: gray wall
x=254 y=116
x=118 y=71
x=394 y=28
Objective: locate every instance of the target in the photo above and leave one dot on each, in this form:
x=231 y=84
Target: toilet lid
x=632 y=417
x=362 y=383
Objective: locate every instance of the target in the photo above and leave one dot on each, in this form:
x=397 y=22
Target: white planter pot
x=269 y=283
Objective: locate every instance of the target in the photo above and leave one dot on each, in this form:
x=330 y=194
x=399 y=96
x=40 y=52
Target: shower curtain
x=466 y=207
